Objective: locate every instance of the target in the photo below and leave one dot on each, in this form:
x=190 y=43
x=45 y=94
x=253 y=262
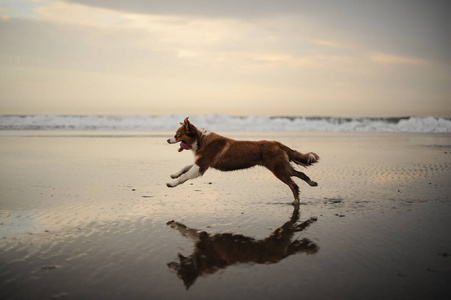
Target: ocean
x=223 y=122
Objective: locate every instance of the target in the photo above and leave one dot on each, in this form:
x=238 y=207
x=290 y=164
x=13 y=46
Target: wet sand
x=84 y=215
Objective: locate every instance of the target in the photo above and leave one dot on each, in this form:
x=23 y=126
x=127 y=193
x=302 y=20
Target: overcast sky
x=285 y=57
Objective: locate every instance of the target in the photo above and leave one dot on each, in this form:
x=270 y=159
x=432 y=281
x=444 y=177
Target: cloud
x=206 y=40
x=18 y=8
x=182 y=35
x=327 y=43
x=417 y=28
x=201 y=8
x=312 y=61
x=131 y=60
x=187 y=54
x=384 y=58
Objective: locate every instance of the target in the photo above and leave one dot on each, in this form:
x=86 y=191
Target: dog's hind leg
x=280 y=166
x=293 y=186
x=181 y=172
x=295 y=189
x=303 y=177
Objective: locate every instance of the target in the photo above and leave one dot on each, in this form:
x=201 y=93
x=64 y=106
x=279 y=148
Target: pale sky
x=285 y=57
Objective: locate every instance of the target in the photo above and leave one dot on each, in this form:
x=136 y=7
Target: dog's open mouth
x=185 y=146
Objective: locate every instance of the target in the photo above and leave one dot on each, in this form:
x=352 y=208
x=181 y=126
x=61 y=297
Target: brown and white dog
x=214 y=151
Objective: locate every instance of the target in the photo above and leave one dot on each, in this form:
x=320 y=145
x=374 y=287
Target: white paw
x=312 y=158
x=171 y=184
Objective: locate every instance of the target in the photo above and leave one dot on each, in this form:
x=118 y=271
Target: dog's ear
x=185 y=121
x=188 y=126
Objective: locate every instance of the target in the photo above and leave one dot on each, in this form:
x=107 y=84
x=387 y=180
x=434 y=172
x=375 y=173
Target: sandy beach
x=84 y=215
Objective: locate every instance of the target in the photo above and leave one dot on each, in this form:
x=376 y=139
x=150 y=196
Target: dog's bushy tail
x=304 y=160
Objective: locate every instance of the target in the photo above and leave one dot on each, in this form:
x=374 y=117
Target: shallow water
x=83 y=215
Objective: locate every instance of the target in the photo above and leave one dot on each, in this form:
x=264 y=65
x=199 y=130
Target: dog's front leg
x=181 y=172
x=185 y=231
x=192 y=173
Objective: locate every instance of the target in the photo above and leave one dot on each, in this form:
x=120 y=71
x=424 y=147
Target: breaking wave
x=221 y=122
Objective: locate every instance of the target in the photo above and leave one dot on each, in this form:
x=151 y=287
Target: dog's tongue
x=184 y=146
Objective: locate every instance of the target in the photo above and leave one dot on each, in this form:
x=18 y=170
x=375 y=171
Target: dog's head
x=186 y=135
x=188 y=269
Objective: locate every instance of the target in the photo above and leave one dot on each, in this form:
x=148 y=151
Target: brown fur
x=215 y=151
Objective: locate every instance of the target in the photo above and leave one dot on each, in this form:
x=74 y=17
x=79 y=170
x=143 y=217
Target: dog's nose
x=169 y=141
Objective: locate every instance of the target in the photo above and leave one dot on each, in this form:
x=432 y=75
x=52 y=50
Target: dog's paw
x=312 y=183
x=312 y=158
x=170 y=185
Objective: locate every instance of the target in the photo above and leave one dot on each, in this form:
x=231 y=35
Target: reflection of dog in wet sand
x=214 y=252
x=224 y=154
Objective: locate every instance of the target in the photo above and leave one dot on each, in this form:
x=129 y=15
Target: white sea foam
x=221 y=122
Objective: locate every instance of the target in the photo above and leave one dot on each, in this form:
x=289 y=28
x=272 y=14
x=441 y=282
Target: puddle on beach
x=213 y=252
x=91 y=217
x=141 y=257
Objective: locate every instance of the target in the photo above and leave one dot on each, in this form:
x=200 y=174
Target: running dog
x=214 y=151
